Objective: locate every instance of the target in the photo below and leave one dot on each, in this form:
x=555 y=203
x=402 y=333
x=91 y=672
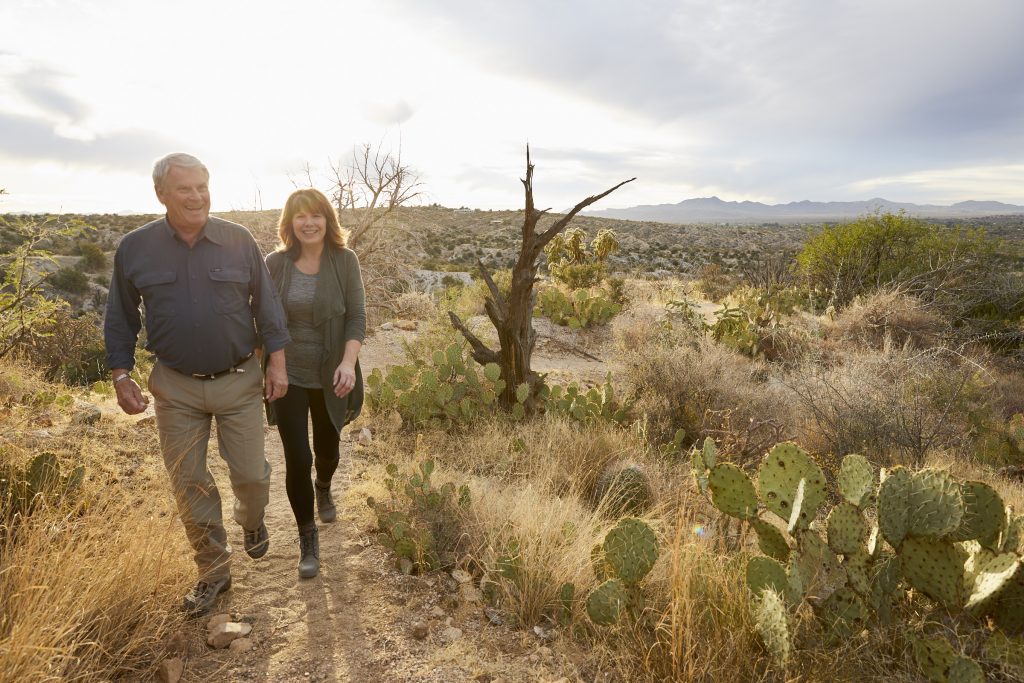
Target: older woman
x=322 y=293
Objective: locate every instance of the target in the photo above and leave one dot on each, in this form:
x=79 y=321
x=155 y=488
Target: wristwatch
x=123 y=375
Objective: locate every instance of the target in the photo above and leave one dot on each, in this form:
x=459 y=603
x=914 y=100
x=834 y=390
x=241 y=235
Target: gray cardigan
x=339 y=308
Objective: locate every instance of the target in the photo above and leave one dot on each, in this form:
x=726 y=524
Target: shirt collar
x=210 y=231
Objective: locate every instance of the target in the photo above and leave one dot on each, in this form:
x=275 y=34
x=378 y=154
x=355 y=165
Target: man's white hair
x=162 y=166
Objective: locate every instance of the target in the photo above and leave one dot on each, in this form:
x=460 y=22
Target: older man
x=203 y=284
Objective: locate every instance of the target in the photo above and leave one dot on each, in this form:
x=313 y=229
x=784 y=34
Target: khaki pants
x=184 y=408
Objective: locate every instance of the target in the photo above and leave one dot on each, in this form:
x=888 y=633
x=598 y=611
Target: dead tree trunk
x=512 y=317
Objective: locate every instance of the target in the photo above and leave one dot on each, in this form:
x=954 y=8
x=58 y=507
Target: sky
x=762 y=100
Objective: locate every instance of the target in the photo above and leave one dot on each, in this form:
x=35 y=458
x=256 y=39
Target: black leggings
x=292 y=411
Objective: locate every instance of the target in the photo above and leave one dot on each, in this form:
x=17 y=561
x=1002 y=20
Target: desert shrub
x=93 y=258
x=896 y=406
x=68 y=349
x=70 y=280
x=704 y=389
x=713 y=282
x=887 y=316
x=415 y=305
x=962 y=272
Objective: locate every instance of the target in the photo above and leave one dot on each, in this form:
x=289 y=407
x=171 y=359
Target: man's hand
x=276 y=380
x=129 y=395
x=344 y=379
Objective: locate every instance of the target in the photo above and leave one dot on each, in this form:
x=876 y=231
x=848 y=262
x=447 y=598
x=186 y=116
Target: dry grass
x=89 y=587
x=888 y=317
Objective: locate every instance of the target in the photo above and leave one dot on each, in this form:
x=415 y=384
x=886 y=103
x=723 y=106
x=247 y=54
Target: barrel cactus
x=624 y=490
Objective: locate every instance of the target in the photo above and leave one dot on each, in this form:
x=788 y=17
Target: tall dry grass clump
x=90 y=579
x=890 y=317
x=707 y=390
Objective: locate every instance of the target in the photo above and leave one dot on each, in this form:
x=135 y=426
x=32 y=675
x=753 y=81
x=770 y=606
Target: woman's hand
x=344 y=379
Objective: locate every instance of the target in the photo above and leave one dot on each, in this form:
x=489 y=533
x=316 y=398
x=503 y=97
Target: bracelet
x=120 y=377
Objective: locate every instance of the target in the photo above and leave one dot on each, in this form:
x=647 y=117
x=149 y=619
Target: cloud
x=787 y=96
x=28 y=138
x=40 y=86
x=393 y=113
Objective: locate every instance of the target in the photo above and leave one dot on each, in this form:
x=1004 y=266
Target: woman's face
x=309 y=226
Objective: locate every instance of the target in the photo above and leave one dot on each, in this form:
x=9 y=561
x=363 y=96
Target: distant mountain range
x=715 y=210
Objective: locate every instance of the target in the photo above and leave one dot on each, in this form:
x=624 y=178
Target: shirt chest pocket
x=230 y=289
x=157 y=290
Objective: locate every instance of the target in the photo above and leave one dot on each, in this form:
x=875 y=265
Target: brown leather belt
x=214 y=375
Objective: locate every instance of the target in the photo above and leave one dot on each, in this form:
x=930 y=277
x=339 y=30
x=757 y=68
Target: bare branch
x=481 y=353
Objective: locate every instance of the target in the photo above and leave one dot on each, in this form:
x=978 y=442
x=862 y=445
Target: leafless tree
x=512 y=315
x=367 y=188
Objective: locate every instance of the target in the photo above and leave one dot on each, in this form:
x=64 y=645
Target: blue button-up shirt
x=203 y=304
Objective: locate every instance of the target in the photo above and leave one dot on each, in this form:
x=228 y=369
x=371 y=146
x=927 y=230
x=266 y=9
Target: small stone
x=545 y=652
x=461 y=576
x=418 y=630
x=471 y=594
x=222 y=634
x=407 y=325
x=246 y=619
x=170 y=670
x=494 y=616
x=87 y=415
x=240 y=645
x=451 y=634
x=218 y=619
x=438 y=612
x=387 y=327
x=365 y=437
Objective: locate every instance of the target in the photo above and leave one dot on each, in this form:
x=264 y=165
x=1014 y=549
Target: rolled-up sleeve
x=266 y=305
x=122 y=321
x=355 y=300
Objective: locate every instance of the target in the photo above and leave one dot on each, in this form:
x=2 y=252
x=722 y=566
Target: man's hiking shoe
x=201 y=598
x=257 y=541
x=325 y=503
x=309 y=554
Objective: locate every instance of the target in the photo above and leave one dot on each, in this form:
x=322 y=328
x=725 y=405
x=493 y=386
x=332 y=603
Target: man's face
x=185 y=191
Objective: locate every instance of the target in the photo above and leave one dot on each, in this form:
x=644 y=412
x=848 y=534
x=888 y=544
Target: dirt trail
x=354 y=622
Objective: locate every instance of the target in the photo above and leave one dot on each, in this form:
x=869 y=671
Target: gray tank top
x=302 y=356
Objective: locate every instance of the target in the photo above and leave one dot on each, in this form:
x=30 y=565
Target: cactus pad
x=607 y=602
x=631 y=548
x=700 y=471
x=773 y=625
x=844 y=612
x=893 y=511
x=770 y=540
x=857 y=480
x=1007 y=652
x=815 y=568
x=709 y=452
x=780 y=474
x=965 y=670
x=1008 y=612
x=846 y=528
x=934 y=657
x=992 y=578
x=934 y=567
x=764 y=572
x=935 y=504
x=732 y=492
x=858 y=572
x=983 y=514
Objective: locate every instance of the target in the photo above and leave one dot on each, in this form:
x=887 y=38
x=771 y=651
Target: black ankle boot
x=309 y=553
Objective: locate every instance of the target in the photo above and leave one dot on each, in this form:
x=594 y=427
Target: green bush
x=93 y=258
x=573 y=265
x=581 y=309
x=70 y=280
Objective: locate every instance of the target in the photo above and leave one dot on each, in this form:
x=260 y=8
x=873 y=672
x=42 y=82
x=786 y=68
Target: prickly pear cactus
x=984 y=516
x=994 y=578
x=770 y=540
x=764 y=572
x=846 y=528
x=935 y=504
x=631 y=548
x=607 y=602
x=893 y=505
x=772 y=621
x=857 y=480
x=934 y=567
x=934 y=656
x=844 y=613
x=779 y=476
x=732 y=492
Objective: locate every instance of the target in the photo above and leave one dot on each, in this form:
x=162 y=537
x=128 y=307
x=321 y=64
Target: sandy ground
x=354 y=622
